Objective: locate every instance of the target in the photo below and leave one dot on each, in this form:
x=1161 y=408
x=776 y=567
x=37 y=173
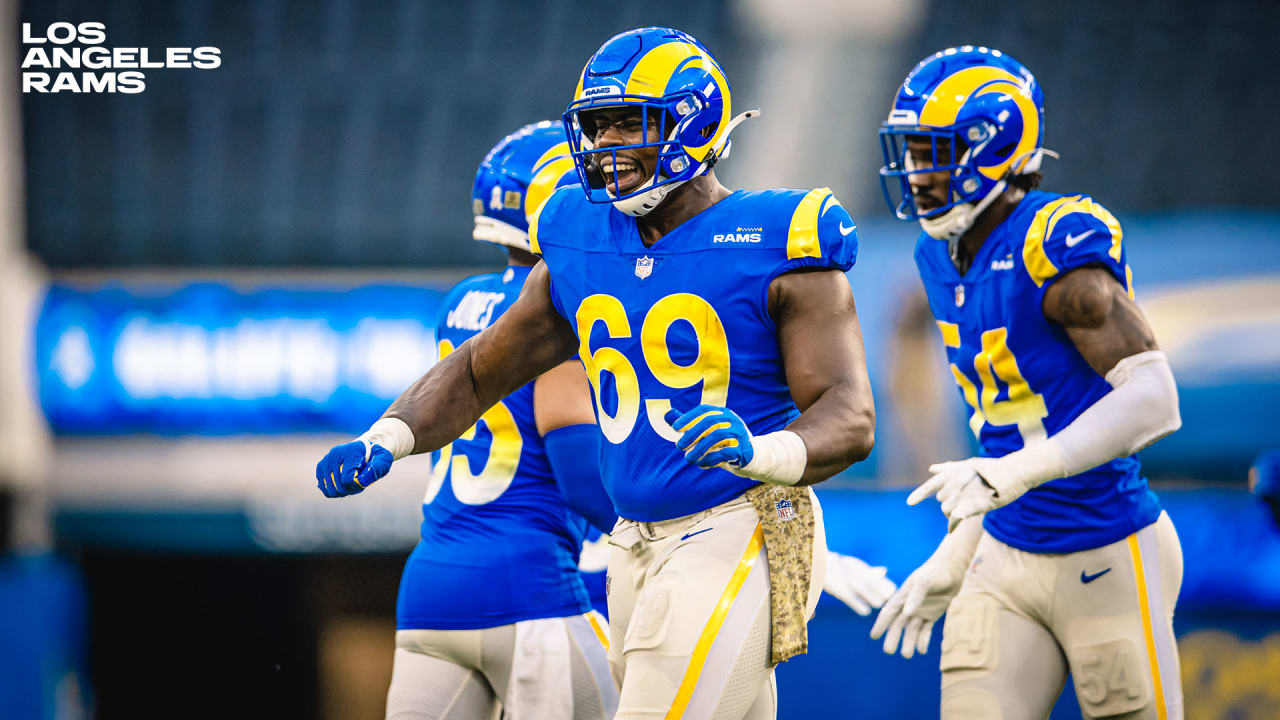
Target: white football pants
x=531 y=670
x=690 y=615
x=1022 y=621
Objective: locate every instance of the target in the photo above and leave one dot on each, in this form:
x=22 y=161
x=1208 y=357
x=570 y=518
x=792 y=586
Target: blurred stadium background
x=206 y=284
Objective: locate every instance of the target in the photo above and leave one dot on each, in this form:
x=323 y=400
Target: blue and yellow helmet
x=515 y=178
x=675 y=81
x=985 y=110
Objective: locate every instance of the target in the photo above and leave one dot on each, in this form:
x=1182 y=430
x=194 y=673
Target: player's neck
x=973 y=238
x=521 y=258
x=681 y=204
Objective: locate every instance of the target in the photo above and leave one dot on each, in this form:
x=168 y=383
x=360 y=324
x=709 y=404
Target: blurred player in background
x=725 y=315
x=1060 y=558
x=492 y=614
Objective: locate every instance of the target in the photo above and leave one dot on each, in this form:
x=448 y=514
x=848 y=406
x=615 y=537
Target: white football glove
x=916 y=606
x=976 y=485
x=856 y=584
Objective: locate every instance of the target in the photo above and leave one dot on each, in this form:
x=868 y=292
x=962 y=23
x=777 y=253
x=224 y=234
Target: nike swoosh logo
x=1086 y=578
x=844 y=231
x=689 y=535
x=1073 y=240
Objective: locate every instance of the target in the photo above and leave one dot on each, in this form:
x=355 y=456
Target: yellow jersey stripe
x=950 y=333
x=1140 y=576
x=592 y=617
x=1038 y=264
x=534 y=247
x=802 y=236
x=708 y=636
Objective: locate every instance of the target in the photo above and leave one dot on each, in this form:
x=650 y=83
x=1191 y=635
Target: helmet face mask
x=647 y=133
x=964 y=181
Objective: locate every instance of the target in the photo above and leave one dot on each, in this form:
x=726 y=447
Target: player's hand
x=349 y=469
x=910 y=614
x=963 y=488
x=856 y=584
x=711 y=435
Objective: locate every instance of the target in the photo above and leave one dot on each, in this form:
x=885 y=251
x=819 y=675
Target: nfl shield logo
x=959 y=295
x=785 y=510
x=644 y=267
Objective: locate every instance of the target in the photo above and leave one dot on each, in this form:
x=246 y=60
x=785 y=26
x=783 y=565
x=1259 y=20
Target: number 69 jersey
x=683 y=322
x=1020 y=374
x=498 y=544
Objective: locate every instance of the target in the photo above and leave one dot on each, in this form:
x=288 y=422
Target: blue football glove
x=348 y=469
x=711 y=436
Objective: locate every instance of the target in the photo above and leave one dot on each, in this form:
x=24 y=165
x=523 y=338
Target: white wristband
x=391 y=433
x=778 y=457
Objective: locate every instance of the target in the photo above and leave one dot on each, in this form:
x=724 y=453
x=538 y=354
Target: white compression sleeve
x=1141 y=408
x=392 y=434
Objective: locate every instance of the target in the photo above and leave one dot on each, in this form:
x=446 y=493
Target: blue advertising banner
x=208 y=359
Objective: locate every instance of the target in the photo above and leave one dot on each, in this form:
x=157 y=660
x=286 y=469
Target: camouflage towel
x=786 y=515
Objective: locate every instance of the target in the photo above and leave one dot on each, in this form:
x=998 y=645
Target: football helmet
x=673 y=80
x=983 y=114
x=515 y=178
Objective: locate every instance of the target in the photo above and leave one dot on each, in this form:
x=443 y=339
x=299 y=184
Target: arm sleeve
x=574 y=452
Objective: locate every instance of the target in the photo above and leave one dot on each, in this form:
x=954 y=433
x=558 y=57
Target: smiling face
x=613 y=127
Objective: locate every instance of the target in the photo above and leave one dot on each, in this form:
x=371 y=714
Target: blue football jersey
x=1021 y=376
x=498 y=543
x=683 y=322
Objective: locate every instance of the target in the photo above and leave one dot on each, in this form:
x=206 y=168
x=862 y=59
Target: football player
x=492 y=613
x=1060 y=559
x=722 y=346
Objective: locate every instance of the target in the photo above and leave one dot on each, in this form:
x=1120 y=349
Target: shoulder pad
x=820 y=232
x=544 y=217
x=1070 y=232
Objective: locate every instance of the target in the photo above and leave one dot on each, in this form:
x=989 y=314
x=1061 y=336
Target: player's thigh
x=595 y=693
x=425 y=687
x=551 y=667
x=697 y=645
x=1115 y=622
x=996 y=663
x=621 y=580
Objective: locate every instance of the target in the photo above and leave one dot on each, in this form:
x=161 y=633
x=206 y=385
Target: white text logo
x=740 y=235
x=58 y=48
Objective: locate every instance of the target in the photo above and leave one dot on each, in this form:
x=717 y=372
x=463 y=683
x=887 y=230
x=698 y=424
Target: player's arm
x=822 y=352
x=1111 y=334
x=527 y=340
x=1103 y=322
x=566 y=421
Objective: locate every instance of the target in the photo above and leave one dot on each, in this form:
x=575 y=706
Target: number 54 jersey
x=683 y=322
x=1020 y=374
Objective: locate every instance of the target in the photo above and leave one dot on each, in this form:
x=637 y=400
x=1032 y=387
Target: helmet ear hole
x=1005 y=151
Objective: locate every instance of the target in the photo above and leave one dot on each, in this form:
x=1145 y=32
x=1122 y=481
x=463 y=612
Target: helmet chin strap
x=642 y=204
x=953 y=223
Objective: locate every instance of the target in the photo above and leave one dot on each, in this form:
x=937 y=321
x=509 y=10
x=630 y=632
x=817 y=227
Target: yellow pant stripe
x=708 y=636
x=600 y=634
x=1144 y=605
